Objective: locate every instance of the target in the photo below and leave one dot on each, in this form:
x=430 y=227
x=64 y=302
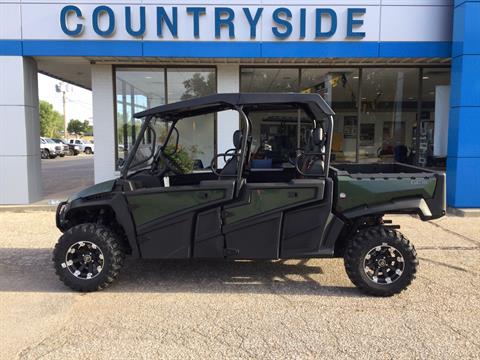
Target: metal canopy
x=220 y=102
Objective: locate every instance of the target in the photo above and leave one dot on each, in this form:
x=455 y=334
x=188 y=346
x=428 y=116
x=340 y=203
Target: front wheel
x=88 y=257
x=380 y=261
x=88 y=151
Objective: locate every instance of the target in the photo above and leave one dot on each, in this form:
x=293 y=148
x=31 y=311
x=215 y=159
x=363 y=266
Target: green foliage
x=199 y=86
x=51 y=121
x=181 y=157
x=76 y=126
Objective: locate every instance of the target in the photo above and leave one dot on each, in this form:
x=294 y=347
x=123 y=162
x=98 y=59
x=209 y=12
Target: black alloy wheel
x=380 y=261
x=88 y=257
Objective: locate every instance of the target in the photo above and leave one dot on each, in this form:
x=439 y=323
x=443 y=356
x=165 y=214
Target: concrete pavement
x=205 y=309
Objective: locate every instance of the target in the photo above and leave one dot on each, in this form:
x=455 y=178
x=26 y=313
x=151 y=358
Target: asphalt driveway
x=204 y=309
x=64 y=176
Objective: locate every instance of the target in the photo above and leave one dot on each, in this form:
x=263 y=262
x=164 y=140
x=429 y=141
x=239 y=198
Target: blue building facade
x=463 y=165
x=404 y=75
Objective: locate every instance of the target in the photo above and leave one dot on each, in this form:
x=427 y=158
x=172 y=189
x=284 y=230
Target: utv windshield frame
x=313 y=104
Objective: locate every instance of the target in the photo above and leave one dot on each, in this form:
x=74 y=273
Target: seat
x=312 y=160
x=231 y=166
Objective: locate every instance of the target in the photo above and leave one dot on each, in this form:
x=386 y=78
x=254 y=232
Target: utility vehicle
x=231 y=210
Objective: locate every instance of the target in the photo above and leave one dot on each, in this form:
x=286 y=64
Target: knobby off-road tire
x=380 y=261
x=88 y=257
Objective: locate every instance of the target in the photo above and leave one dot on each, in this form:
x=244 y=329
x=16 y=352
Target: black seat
x=312 y=160
x=231 y=166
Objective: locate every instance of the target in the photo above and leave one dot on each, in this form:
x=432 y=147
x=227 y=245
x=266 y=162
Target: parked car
x=309 y=210
x=69 y=149
x=65 y=147
x=85 y=146
x=49 y=149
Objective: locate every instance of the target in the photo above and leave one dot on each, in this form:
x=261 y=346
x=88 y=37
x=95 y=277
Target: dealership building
x=401 y=75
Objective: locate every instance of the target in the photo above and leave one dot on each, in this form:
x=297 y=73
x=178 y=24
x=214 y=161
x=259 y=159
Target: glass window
x=432 y=143
x=339 y=88
x=197 y=133
x=389 y=107
x=269 y=80
x=141 y=88
x=275 y=135
x=137 y=89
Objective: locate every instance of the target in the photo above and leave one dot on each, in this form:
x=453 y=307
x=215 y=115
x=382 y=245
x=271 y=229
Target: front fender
x=119 y=206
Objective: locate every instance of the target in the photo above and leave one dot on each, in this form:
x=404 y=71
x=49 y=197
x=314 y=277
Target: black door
x=165 y=217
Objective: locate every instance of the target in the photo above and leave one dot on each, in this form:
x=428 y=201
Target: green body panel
x=100 y=188
x=264 y=200
x=147 y=207
x=371 y=191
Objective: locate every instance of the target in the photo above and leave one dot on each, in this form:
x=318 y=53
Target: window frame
x=164 y=67
x=360 y=68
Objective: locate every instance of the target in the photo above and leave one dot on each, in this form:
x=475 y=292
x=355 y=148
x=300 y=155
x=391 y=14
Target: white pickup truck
x=49 y=149
x=85 y=146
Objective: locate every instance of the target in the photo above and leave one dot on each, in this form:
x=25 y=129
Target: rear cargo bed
x=366 y=186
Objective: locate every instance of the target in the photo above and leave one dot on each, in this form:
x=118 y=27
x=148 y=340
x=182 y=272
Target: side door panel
x=165 y=217
x=253 y=224
x=304 y=229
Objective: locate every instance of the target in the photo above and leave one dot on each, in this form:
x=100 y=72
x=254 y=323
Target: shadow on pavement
x=31 y=270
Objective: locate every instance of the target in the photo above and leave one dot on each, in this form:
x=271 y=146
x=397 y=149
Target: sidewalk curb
x=27 y=208
x=467 y=213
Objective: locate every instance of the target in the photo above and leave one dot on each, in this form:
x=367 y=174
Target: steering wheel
x=170 y=164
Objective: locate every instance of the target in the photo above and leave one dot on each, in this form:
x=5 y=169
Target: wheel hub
x=84 y=260
x=383 y=264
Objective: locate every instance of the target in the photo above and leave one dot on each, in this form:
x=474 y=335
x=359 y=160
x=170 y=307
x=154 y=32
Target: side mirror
x=120 y=162
x=318 y=136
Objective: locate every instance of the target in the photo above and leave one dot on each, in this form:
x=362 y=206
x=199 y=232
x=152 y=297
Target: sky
x=78 y=100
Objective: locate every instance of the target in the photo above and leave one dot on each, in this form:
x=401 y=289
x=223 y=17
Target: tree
x=51 y=121
x=76 y=126
x=87 y=128
x=198 y=86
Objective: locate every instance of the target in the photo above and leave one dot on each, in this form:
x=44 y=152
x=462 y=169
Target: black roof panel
x=219 y=102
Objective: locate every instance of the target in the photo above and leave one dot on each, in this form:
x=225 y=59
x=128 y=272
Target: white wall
x=228 y=81
x=384 y=20
x=103 y=122
x=20 y=175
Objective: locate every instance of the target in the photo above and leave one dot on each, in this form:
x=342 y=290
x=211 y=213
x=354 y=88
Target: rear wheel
x=44 y=154
x=88 y=151
x=380 y=261
x=88 y=257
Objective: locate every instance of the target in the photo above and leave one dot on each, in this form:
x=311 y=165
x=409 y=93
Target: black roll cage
x=238 y=102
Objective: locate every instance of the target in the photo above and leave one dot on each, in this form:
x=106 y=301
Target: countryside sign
x=301 y=23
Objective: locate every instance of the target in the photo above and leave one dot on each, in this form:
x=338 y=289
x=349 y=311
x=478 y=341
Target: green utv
x=302 y=208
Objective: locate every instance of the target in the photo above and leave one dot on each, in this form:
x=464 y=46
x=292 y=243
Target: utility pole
x=63 y=88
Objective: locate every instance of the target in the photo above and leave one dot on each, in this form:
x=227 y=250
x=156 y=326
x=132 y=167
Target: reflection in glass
x=137 y=89
x=433 y=139
x=388 y=114
x=197 y=133
x=339 y=88
x=269 y=80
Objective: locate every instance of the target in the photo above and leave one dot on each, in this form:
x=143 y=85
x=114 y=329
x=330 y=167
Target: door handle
x=292 y=194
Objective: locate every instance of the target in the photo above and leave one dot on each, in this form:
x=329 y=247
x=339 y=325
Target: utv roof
x=219 y=102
